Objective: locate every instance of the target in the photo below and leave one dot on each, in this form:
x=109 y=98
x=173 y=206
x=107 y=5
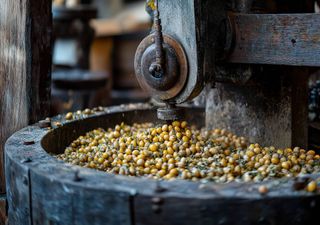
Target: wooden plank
x=18 y=160
x=13 y=75
x=25 y=64
x=3 y=210
x=57 y=202
x=39 y=25
x=225 y=211
x=280 y=39
x=17 y=180
x=18 y=193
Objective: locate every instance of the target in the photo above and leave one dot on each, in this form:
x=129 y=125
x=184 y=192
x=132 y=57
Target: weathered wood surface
x=267 y=103
x=222 y=211
x=25 y=63
x=18 y=192
x=55 y=201
x=279 y=39
x=56 y=197
x=3 y=209
x=13 y=74
x=300 y=106
x=270 y=109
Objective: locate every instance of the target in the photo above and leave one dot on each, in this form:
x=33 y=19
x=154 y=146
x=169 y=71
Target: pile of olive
x=176 y=150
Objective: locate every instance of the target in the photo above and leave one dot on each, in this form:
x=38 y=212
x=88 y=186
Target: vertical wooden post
x=25 y=65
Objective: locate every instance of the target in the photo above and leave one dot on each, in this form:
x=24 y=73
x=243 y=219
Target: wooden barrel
x=44 y=191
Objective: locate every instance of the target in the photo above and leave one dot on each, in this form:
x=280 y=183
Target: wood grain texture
x=222 y=211
x=39 y=43
x=279 y=39
x=13 y=73
x=25 y=64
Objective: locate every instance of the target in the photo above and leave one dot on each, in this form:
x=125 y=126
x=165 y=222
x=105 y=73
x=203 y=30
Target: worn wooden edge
x=18 y=152
x=181 y=211
x=58 y=193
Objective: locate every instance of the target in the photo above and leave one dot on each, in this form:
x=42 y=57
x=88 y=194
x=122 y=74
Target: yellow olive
x=312 y=186
x=69 y=116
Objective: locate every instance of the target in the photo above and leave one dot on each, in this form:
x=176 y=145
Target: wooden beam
x=25 y=65
x=279 y=39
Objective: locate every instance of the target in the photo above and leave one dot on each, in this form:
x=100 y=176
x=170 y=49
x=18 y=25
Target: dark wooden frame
x=25 y=68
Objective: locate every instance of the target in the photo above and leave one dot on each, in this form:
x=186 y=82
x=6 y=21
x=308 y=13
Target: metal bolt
x=157 y=200
x=155 y=70
x=77 y=178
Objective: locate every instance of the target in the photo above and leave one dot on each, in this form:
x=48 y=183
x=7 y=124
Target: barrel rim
x=41 y=163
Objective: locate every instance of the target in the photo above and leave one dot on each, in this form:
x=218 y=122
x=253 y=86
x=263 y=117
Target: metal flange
x=173 y=80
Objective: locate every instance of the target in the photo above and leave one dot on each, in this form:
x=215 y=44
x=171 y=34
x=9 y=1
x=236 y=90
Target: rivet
x=77 y=178
x=157 y=200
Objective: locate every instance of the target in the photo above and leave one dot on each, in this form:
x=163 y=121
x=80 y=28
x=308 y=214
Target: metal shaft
x=158 y=36
x=157 y=68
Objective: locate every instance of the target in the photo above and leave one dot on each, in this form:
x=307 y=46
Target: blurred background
x=94 y=47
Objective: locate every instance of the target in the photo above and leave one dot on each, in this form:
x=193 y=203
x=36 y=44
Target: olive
x=179 y=151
